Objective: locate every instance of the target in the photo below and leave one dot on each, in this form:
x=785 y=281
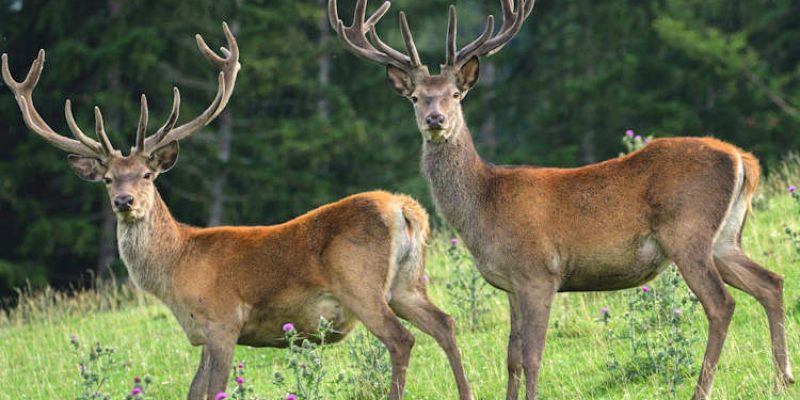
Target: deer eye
x=457 y=95
x=148 y=175
x=414 y=99
x=107 y=180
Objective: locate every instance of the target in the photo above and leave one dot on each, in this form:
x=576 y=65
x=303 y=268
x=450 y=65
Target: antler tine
x=452 y=31
x=333 y=15
x=480 y=40
x=158 y=137
x=378 y=14
x=409 y=39
x=514 y=14
x=229 y=67
x=23 y=92
x=187 y=129
x=101 y=132
x=529 y=7
x=230 y=64
x=396 y=58
x=77 y=132
x=355 y=40
x=496 y=43
x=141 y=129
x=508 y=13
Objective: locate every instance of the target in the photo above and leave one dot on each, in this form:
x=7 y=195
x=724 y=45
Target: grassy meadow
x=38 y=361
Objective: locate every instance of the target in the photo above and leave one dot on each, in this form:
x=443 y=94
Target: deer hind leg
x=414 y=306
x=741 y=272
x=765 y=286
x=361 y=290
x=379 y=319
x=704 y=280
x=690 y=247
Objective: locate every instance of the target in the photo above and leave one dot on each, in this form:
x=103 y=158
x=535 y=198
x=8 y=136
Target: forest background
x=310 y=123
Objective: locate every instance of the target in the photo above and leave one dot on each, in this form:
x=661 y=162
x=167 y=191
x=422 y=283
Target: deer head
x=129 y=179
x=436 y=98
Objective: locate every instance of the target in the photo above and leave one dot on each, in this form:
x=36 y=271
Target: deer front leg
x=200 y=381
x=219 y=346
x=534 y=301
x=514 y=358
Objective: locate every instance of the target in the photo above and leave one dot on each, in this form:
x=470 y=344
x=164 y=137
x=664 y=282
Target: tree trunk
x=324 y=60
x=588 y=145
x=224 y=138
x=107 y=252
x=224 y=141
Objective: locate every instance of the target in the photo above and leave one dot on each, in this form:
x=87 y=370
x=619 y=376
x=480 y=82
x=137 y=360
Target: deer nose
x=435 y=120
x=123 y=202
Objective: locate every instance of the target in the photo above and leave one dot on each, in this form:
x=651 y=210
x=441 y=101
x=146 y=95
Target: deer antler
x=355 y=40
x=487 y=44
x=229 y=67
x=23 y=92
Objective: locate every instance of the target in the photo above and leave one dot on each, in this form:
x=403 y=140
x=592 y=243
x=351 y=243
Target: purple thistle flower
x=288 y=327
x=645 y=289
x=604 y=311
x=646 y=140
x=136 y=379
x=241 y=365
x=221 y=396
x=239 y=380
x=629 y=133
x=792 y=189
x=291 y=396
x=454 y=242
x=136 y=391
x=637 y=138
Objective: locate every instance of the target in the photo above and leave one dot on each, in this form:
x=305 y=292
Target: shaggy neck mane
x=150 y=247
x=458 y=178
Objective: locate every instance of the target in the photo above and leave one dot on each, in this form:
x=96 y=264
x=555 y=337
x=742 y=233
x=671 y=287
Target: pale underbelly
x=619 y=271
x=264 y=327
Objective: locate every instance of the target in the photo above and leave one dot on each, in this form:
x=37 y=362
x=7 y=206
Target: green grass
x=37 y=361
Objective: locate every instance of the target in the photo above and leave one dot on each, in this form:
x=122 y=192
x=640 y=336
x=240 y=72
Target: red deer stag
x=361 y=258
x=613 y=225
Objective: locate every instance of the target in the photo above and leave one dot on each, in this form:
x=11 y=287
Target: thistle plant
x=793 y=235
x=633 y=142
x=242 y=389
x=139 y=388
x=467 y=289
x=371 y=368
x=659 y=331
x=94 y=363
x=305 y=363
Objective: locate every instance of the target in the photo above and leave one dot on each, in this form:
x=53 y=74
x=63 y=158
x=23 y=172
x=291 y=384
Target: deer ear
x=468 y=75
x=401 y=81
x=164 y=158
x=87 y=168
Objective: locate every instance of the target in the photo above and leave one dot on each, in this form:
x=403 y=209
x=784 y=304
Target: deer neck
x=151 y=248
x=457 y=177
